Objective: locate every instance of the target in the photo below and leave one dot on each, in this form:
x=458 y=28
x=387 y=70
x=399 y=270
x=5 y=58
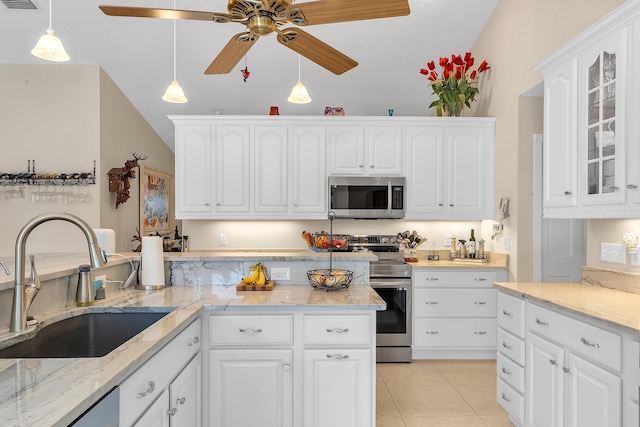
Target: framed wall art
x=156 y=202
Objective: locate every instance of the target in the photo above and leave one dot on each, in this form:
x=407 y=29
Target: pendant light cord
x=299 y=68
x=174 y=43
x=50 y=13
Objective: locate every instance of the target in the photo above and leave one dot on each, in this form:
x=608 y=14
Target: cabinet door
x=193 y=170
x=593 y=395
x=250 y=388
x=466 y=159
x=157 y=415
x=232 y=168
x=308 y=170
x=425 y=171
x=601 y=131
x=545 y=383
x=337 y=388
x=560 y=139
x=270 y=177
x=346 y=150
x=185 y=398
x=384 y=150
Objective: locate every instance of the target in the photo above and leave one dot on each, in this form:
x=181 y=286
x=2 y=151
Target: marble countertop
x=619 y=308
x=54 y=392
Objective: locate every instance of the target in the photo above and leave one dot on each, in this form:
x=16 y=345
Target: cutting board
x=268 y=286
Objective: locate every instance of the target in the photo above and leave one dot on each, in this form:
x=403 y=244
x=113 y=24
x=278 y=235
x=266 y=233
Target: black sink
x=87 y=335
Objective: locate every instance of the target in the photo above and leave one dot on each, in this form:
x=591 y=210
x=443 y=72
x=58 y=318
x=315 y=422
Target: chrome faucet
x=23 y=294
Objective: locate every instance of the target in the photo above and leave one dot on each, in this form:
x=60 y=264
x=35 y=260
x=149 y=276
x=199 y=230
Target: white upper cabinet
x=237 y=167
x=591 y=143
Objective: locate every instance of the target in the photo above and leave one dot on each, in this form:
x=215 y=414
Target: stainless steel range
x=391 y=279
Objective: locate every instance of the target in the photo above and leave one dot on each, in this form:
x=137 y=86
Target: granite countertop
x=54 y=392
x=619 y=308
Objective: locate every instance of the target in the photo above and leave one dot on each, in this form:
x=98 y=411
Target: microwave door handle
x=389 y=197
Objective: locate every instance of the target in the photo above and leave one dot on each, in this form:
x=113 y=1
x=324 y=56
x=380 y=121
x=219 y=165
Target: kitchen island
x=54 y=392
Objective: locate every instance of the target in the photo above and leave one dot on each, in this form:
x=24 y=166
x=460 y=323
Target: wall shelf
x=31 y=177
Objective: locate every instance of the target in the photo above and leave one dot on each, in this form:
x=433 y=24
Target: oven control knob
x=384 y=240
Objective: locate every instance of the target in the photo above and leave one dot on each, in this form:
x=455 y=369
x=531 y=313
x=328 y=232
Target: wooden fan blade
x=330 y=11
x=232 y=53
x=316 y=50
x=145 y=12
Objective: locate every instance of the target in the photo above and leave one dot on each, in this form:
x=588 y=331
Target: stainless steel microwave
x=367 y=197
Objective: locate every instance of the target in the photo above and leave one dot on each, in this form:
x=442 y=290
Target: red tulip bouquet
x=456 y=86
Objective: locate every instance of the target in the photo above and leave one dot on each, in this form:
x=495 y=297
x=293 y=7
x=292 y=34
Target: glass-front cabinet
x=601 y=143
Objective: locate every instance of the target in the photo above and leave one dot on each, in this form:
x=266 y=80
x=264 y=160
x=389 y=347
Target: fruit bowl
x=330 y=280
x=325 y=241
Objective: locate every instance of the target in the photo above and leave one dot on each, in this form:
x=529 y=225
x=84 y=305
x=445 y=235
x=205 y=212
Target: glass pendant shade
x=299 y=94
x=50 y=47
x=174 y=94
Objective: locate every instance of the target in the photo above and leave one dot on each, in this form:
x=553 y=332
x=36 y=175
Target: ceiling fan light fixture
x=49 y=46
x=299 y=94
x=174 y=94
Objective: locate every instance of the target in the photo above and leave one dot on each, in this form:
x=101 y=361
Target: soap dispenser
x=84 y=292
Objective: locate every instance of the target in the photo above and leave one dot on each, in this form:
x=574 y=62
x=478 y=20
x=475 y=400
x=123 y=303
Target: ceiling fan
x=262 y=17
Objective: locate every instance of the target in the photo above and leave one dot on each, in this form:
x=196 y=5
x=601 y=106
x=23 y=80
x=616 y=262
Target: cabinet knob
x=440 y=204
x=172 y=411
x=632 y=186
x=542 y=322
x=193 y=341
x=207 y=204
x=451 y=204
x=589 y=343
x=250 y=331
x=150 y=388
x=566 y=370
x=553 y=362
x=567 y=193
x=504 y=397
x=506 y=371
x=286 y=366
x=181 y=400
x=337 y=330
x=337 y=356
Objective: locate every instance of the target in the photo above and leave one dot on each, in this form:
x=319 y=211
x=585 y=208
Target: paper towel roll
x=106 y=239
x=152 y=263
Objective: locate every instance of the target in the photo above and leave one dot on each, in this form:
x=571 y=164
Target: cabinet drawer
x=142 y=387
x=591 y=341
x=510 y=400
x=250 y=329
x=354 y=330
x=511 y=314
x=455 y=279
x=511 y=346
x=510 y=372
x=454 y=302
x=455 y=333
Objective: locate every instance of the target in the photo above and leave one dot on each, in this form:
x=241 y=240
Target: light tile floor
x=438 y=393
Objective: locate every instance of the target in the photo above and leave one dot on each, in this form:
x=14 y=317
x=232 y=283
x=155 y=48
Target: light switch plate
x=613 y=252
x=447 y=241
x=280 y=273
x=507 y=243
x=223 y=239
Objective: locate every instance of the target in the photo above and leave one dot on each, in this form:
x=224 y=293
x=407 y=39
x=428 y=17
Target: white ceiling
x=137 y=53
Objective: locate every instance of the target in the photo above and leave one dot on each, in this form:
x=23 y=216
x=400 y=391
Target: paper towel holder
x=142 y=287
x=155 y=285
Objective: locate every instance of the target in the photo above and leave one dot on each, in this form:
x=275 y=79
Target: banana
x=262 y=279
x=253 y=277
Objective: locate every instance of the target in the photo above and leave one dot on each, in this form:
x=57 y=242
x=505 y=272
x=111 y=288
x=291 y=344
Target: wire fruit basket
x=330 y=279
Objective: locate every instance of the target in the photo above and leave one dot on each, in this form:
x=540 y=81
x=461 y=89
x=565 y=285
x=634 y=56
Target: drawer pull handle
x=337 y=356
x=250 y=331
x=337 y=330
x=432 y=278
x=432 y=332
x=589 y=343
x=150 y=388
x=542 y=322
x=172 y=411
x=553 y=362
x=432 y=303
x=632 y=186
x=567 y=193
x=480 y=332
x=194 y=341
x=566 y=370
x=507 y=346
x=506 y=371
x=480 y=302
x=286 y=366
x=480 y=279
x=507 y=313
x=504 y=397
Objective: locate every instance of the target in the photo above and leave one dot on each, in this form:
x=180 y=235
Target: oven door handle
x=389 y=198
x=389 y=282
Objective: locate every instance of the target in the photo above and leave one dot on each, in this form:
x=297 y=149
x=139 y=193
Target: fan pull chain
x=245 y=72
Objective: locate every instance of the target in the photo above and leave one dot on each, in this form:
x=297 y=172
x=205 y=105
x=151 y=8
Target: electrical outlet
x=507 y=243
x=223 y=239
x=613 y=252
x=447 y=241
x=635 y=259
x=280 y=273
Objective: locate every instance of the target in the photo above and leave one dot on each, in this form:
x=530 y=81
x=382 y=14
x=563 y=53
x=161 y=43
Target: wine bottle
x=472 y=245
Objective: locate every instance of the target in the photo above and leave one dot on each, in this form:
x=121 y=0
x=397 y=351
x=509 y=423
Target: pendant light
x=299 y=94
x=49 y=46
x=174 y=93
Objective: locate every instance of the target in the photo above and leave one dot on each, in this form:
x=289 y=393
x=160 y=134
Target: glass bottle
x=472 y=245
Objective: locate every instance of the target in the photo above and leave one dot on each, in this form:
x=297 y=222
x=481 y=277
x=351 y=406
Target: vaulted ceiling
x=137 y=53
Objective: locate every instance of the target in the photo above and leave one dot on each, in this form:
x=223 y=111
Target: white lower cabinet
x=325 y=403
x=166 y=390
x=573 y=372
x=250 y=387
x=290 y=369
